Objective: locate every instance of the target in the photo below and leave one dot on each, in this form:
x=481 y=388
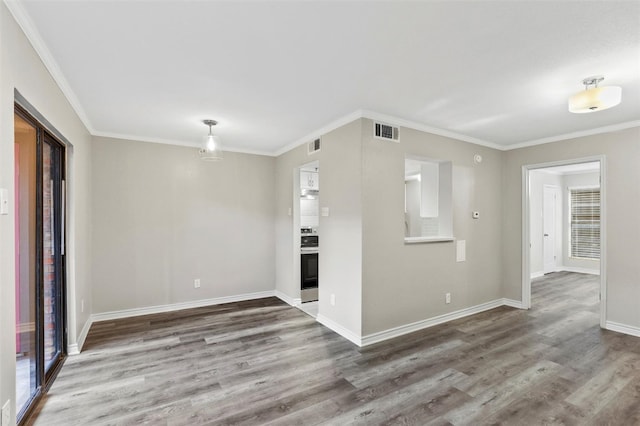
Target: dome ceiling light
x=594 y=98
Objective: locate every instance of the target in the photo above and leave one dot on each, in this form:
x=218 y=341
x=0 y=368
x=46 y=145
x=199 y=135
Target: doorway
x=307 y=196
x=40 y=302
x=558 y=234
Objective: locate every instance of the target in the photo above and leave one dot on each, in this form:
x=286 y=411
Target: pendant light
x=594 y=98
x=211 y=150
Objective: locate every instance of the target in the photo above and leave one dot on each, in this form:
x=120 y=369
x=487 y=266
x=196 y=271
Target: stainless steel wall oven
x=309 y=268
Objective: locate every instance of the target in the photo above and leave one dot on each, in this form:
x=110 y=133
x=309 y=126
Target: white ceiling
x=277 y=73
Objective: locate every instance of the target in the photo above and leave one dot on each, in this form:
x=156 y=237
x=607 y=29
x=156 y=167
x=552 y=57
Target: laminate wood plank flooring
x=264 y=362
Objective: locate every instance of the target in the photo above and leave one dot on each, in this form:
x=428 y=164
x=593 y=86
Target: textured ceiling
x=275 y=72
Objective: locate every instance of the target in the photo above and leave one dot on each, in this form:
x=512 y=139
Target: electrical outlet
x=333 y=300
x=447 y=298
x=196 y=283
x=6 y=413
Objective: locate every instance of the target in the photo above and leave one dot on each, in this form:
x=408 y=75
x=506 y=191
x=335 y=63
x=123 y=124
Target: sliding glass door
x=25 y=243
x=39 y=241
x=52 y=251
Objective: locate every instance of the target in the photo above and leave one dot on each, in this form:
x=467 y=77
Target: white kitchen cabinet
x=309 y=180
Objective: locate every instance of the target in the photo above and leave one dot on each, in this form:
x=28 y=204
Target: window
x=585 y=223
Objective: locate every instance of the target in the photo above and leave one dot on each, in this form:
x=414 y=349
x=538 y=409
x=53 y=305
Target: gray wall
x=21 y=68
x=163 y=217
x=405 y=283
x=340 y=261
x=287 y=246
x=621 y=177
x=340 y=265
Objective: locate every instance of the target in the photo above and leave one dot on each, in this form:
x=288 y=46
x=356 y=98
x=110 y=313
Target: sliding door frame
x=45 y=377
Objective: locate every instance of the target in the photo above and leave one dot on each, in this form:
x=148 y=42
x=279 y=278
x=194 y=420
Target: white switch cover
x=196 y=283
x=461 y=251
x=289 y=212
x=4 y=201
x=6 y=413
x=333 y=299
x=325 y=211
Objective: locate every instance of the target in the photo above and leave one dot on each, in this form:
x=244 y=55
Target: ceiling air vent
x=313 y=146
x=383 y=131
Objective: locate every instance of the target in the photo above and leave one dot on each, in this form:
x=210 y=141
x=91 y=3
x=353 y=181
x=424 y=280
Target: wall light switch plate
x=461 y=251
x=4 y=201
x=325 y=211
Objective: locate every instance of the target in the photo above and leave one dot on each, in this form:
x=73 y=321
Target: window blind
x=585 y=223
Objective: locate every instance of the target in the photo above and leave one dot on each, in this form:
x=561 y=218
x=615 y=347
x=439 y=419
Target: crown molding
x=387 y=119
x=573 y=135
x=174 y=142
x=401 y=122
x=396 y=121
x=33 y=35
x=319 y=132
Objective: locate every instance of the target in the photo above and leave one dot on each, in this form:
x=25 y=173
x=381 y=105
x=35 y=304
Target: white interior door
x=549 y=206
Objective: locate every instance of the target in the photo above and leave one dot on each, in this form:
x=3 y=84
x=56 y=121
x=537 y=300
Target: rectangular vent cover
x=314 y=146
x=383 y=131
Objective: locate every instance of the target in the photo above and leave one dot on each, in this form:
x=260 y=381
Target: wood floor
x=263 y=362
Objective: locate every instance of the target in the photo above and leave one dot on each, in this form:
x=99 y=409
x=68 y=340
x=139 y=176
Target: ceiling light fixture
x=595 y=98
x=211 y=150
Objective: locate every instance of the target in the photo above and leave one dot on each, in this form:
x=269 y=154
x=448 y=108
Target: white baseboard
x=126 y=313
x=72 y=349
x=347 y=334
x=513 y=303
x=537 y=274
x=622 y=328
x=76 y=348
x=419 y=325
x=370 y=339
x=288 y=300
x=579 y=270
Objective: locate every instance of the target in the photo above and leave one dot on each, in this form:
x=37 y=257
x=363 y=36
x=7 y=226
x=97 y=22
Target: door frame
x=45 y=378
x=526 y=221
x=295 y=223
x=557 y=192
x=74 y=340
